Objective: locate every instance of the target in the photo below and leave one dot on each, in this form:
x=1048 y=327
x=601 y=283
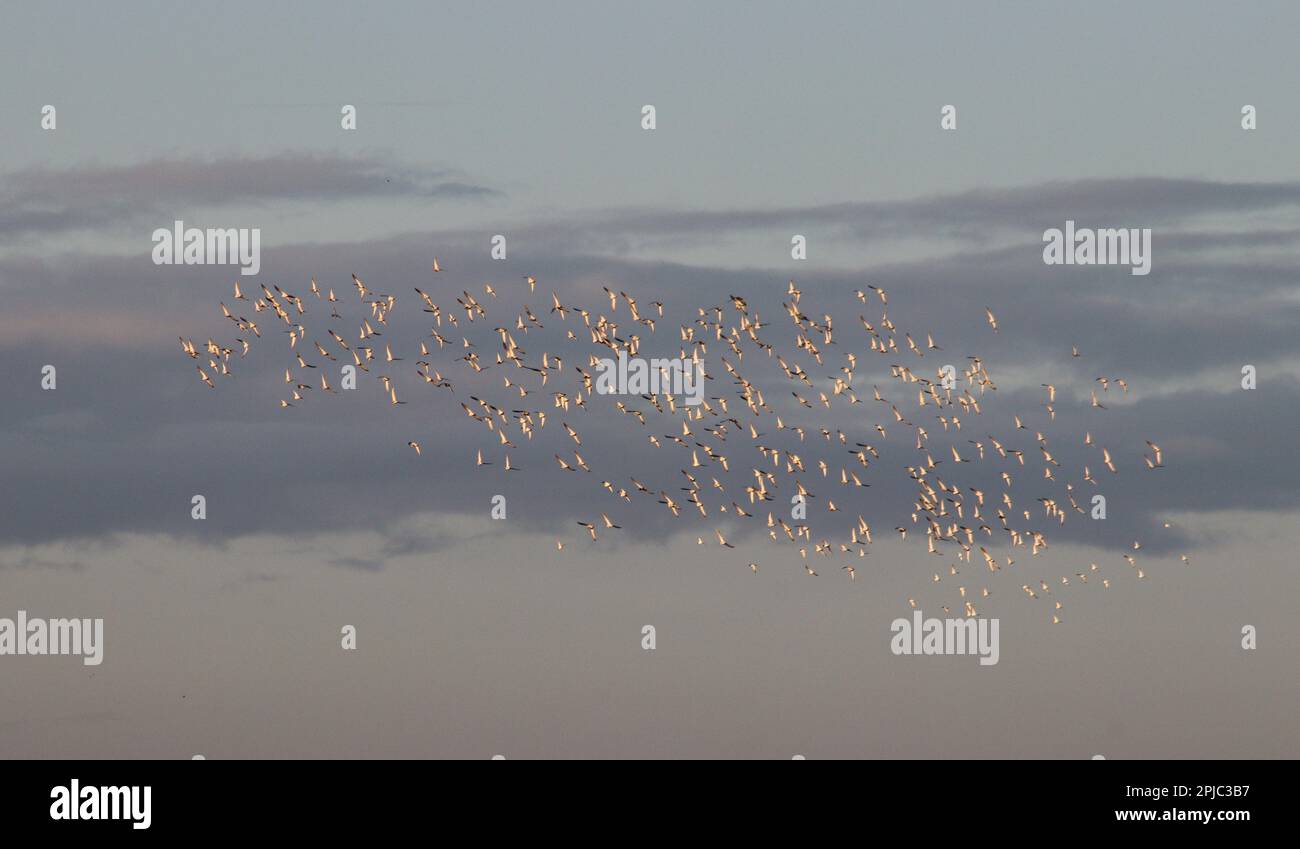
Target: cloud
x=1193 y=216
x=1138 y=201
x=49 y=201
x=137 y=435
x=29 y=561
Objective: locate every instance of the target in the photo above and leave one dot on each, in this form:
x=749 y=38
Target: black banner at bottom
x=143 y=798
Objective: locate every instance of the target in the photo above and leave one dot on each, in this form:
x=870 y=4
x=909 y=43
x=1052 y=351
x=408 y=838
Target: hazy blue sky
x=479 y=638
x=760 y=104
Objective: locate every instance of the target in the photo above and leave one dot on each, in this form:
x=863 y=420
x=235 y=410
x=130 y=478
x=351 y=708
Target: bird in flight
x=779 y=441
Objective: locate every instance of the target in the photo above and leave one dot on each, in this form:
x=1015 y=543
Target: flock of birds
x=742 y=428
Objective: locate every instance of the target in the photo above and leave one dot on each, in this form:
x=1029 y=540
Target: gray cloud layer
x=1133 y=202
x=130 y=434
x=54 y=201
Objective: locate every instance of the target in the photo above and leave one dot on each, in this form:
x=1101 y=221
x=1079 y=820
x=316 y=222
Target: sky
x=477 y=637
